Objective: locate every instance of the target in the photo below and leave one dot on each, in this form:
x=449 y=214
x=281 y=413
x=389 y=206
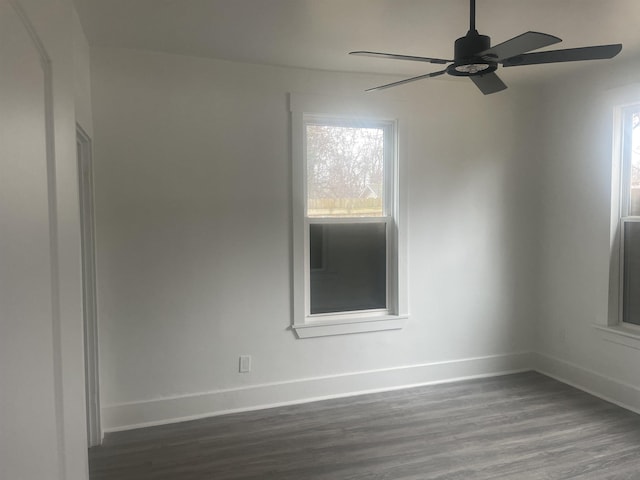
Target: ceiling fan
x=474 y=57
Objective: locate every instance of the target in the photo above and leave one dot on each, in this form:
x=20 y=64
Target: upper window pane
x=345 y=171
x=634 y=201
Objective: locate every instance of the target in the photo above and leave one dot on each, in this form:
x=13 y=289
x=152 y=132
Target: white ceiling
x=319 y=33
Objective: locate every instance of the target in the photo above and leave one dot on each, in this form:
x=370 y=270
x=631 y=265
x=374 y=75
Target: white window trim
x=613 y=329
x=304 y=324
x=624 y=205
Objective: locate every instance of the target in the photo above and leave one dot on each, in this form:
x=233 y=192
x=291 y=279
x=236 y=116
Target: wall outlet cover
x=245 y=363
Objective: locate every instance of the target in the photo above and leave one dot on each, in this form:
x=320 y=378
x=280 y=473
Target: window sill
x=345 y=327
x=629 y=337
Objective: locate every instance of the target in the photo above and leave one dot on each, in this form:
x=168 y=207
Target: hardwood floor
x=523 y=426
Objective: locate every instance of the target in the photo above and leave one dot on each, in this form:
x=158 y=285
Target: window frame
x=624 y=139
x=306 y=110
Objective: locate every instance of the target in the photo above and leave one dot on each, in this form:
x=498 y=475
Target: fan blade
x=393 y=56
x=599 y=52
x=401 y=82
x=489 y=83
x=518 y=45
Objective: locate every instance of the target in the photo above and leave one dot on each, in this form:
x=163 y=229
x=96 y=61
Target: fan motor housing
x=467 y=62
x=470 y=45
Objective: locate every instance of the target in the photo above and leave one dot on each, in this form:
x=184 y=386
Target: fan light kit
x=474 y=57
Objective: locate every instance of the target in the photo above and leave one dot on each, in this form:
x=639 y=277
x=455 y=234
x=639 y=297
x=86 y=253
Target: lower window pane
x=631 y=295
x=348 y=267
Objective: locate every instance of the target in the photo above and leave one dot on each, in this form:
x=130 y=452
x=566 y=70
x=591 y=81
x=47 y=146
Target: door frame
x=89 y=291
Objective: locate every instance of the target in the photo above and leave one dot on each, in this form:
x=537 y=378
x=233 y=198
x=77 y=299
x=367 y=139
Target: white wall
x=576 y=149
x=42 y=399
x=192 y=165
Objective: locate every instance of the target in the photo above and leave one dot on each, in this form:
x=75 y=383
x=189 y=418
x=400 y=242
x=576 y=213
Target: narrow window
x=630 y=215
x=346 y=234
x=347 y=214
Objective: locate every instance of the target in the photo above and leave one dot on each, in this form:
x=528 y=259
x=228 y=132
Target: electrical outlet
x=245 y=363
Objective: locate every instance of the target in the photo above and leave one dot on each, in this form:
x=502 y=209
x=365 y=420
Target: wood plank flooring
x=524 y=426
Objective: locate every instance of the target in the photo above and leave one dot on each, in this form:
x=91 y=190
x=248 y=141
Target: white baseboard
x=160 y=411
x=594 y=383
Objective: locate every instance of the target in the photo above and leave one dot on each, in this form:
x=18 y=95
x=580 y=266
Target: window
x=346 y=224
x=630 y=216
